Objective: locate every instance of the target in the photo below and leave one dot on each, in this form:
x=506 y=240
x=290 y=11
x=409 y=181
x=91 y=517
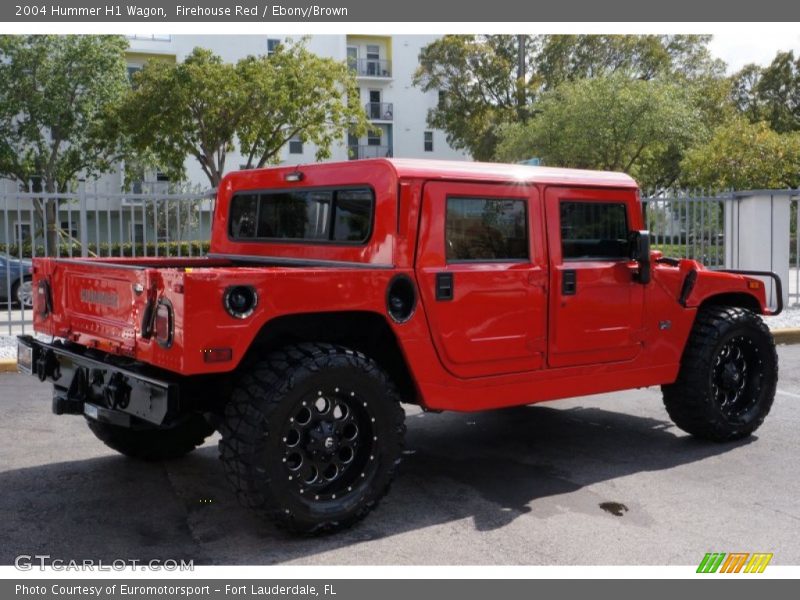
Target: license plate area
x=24 y=358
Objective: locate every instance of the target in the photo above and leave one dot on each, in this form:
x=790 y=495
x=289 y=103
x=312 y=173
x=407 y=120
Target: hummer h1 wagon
x=334 y=292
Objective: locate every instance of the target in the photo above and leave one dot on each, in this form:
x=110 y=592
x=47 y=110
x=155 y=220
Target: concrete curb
x=782 y=336
x=8 y=365
x=787 y=336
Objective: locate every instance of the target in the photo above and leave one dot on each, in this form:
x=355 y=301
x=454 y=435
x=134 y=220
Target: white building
x=384 y=66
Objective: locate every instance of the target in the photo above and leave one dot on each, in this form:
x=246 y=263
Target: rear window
x=315 y=215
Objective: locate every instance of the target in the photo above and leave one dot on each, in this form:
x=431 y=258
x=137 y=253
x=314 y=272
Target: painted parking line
x=790 y=394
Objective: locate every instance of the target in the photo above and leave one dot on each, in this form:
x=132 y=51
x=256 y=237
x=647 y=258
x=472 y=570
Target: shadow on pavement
x=491 y=467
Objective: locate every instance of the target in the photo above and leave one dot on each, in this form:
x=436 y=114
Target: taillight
x=164 y=324
x=43 y=301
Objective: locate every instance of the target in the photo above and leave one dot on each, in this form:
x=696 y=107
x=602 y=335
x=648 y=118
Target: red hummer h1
x=334 y=292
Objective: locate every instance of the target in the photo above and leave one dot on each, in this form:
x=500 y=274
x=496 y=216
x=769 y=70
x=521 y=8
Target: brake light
x=163 y=324
x=43 y=301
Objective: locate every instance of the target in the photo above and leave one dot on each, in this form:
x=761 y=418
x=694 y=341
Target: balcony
x=380 y=111
x=358 y=152
x=371 y=67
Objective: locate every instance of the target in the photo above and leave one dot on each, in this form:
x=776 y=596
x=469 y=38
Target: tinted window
x=486 y=229
x=594 y=230
x=314 y=215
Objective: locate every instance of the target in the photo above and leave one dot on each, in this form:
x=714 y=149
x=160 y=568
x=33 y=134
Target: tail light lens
x=43 y=301
x=164 y=325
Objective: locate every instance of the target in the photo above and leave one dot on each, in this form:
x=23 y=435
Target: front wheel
x=312 y=436
x=728 y=376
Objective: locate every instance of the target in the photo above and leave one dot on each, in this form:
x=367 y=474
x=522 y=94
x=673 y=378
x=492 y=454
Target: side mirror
x=640 y=252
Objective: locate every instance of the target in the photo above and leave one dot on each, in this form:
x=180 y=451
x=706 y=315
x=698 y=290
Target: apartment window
x=136 y=231
x=373 y=60
x=132 y=70
x=593 y=230
x=352 y=57
x=374 y=138
x=428 y=138
x=70 y=229
x=272 y=46
x=295 y=145
x=22 y=232
x=442 y=102
x=486 y=229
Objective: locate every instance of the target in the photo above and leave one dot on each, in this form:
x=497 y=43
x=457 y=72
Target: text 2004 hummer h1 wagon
x=334 y=292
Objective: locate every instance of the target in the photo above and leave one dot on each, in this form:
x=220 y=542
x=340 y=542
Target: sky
x=738 y=50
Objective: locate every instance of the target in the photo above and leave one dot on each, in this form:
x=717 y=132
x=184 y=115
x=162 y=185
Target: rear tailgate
x=98 y=304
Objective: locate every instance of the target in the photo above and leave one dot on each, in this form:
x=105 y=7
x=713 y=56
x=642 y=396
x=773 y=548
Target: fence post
x=761 y=234
x=83 y=219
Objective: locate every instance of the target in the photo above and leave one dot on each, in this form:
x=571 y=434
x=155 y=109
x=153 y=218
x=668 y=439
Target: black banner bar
x=343 y=11
x=383 y=589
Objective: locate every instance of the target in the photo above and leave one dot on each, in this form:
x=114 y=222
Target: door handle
x=444 y=286
x=569 y=282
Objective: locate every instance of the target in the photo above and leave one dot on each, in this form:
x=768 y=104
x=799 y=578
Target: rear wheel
x=312 y=437
x=728 y=376
x=153 y=444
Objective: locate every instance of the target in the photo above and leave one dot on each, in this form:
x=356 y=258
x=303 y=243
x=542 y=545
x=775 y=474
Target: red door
x=596 y=305
x=483 y=277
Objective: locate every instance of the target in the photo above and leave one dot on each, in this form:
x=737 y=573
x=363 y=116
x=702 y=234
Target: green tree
x=743 y=155
x=744 y=92
x=770 y=93
x=479 y=84
x=779 y=92
x=58 y=96
x=570 y=57
x=202 y=107
x=610 y=123
x=484 y=88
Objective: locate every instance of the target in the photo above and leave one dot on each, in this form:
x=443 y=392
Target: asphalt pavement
x=590 y=481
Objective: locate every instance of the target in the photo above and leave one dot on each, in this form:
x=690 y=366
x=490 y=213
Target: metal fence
x=686 y=224
x=710 y=227
x=162 y=220
x=156 y=219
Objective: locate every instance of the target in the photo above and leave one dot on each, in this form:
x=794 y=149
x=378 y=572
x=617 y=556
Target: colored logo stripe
x=734 y=562
x=758 y=562
x=711 y=562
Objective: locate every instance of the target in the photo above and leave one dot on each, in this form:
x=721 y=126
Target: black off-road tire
x=715 y=397
x=153 y=444
x=287 y=453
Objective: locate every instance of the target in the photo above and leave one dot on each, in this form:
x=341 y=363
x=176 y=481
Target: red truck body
x=511 y=332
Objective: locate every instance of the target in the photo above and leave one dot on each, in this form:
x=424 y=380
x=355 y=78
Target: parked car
x=15 y=281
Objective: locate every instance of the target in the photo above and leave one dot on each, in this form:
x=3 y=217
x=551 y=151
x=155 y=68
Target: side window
x=486 y=229
x=593 y=230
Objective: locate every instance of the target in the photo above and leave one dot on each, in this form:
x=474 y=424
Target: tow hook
x=47 y=366
x=117 y=392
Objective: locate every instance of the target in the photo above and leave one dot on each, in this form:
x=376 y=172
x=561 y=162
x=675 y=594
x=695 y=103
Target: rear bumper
x=98 y=385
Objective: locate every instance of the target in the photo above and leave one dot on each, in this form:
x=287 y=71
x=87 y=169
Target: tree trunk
x=51 y=221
